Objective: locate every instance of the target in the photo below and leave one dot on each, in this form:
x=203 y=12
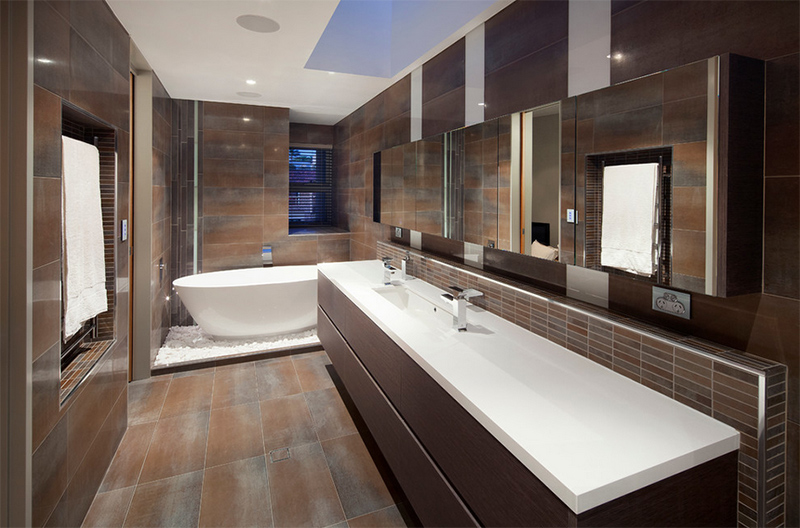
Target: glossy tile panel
x=697 y=30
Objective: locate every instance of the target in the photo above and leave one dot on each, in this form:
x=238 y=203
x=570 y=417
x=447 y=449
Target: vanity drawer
x=332 y=300
x=428 y=491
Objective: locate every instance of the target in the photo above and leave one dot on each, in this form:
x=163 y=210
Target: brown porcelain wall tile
x=178 y=446
x=397 y=100
x=235 y=495
x=276 y=120
x=276 y=147
x=782 y=236
x=443 y=73
x=95 y=86
x=87 y=479
x=223 y=144
x=234 y=433
x=46 y=220
x=238 y=117
x=170 y=502
x=626 y=97
x=336 y=250
x=628 y=130
x=302 y=133
x=98 y=25
x=162 y=131
x=46 y=307
x=232 y=229
x=46 y=132
x=689 y=164
x=51 y=35
x=523 y=28
x=217 y=257
x=543 y=73
x=685 y=82
x=46 y=393
x=294 y=251
x=782 y=131
x=689 y=208
x=444 y=113
x=276 y=174
x=233 y=173
x=276 y=202
x=275 y=227
x=698 y=30
x=685 y=121
x=50 y=476
x=219 y=201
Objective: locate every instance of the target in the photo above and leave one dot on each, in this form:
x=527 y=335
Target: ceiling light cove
x=250 y=81
x=258 y=23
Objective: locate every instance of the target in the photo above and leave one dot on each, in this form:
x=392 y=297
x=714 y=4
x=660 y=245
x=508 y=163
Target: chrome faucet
x=404 y=266
x=461 y=297
x=388 y=270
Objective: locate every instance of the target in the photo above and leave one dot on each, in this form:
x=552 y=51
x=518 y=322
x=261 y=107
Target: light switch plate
x=123 y=230
x=572 y=216
x=672 y=302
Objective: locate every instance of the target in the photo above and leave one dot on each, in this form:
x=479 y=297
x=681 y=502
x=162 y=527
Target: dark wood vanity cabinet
x=455 y=473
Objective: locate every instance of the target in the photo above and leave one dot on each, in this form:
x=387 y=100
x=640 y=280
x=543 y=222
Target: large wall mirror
x=621 y=180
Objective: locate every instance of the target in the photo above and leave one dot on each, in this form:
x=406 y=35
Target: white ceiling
x=199 y=51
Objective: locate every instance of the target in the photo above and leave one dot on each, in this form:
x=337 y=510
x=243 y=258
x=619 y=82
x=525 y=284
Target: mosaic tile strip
x=743 y=391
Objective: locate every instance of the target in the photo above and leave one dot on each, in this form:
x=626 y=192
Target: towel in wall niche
x=82 y=241
x=629 y=209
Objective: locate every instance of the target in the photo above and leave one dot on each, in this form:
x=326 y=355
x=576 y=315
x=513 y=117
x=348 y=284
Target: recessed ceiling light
x=258 y=23
x=248 y=94
x=245 y=119
x=250 y=81
x=44 y=61
x=608 y=56
x=481 y=104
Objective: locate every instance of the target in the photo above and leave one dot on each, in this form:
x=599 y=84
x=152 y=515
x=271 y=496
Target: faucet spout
x=460 y=298
x=388 y=270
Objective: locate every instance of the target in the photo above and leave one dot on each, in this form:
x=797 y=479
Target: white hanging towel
x=629 y=209
x=82 y=241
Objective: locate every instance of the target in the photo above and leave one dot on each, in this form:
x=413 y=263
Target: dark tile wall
x=381 y=123
x=161 y=236
x=305 y=134
x=73 y=444
x=184 y=142
x=443 y=90
x=526 y=68
x=243 y=192
x=525 y=56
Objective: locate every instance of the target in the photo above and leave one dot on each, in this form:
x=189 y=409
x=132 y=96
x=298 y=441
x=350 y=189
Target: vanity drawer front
x=332 y=300
x=430 y=494
x=498 y=488
x=383 y=358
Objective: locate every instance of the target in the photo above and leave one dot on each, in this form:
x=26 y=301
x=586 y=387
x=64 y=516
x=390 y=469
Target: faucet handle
x=469 y=293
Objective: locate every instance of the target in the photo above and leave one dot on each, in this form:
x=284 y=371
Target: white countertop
x=591 y=435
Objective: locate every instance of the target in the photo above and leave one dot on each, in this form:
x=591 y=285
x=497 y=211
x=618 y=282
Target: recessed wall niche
x=81 y=352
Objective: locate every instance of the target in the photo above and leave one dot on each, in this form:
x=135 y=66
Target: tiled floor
x=266 y=443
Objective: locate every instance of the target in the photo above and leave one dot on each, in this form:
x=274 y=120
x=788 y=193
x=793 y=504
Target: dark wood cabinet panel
x=332 y=301
x=382 y=357
x=433 y=499
x=498 y=488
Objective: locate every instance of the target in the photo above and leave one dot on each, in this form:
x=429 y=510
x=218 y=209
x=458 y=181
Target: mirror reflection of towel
x=629 y=209
x=82 y=228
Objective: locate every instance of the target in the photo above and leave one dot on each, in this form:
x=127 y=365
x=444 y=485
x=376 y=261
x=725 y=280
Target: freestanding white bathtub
x=252 y=302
